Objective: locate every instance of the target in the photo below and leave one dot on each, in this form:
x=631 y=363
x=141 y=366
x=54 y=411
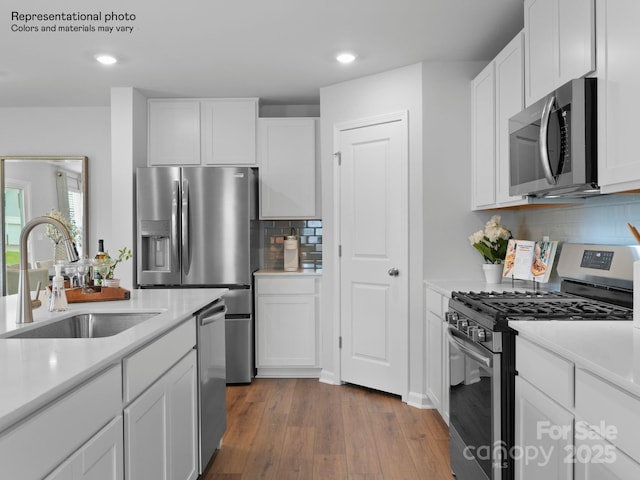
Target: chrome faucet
x=25 y=313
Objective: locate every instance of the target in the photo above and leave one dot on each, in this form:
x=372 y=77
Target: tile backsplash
x=273 y=233
x=600 y=219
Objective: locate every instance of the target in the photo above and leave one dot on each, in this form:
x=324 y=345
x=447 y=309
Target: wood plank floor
x=302 y=429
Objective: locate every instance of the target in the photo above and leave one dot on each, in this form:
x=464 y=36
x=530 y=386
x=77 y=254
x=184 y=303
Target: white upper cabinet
x=202 y=131
x=559 y=44
x=174 y=132
x=483 y=173
x=509 y=68
x=497 y=95
x=288 y=168
x=618 y=95
x=229 y=132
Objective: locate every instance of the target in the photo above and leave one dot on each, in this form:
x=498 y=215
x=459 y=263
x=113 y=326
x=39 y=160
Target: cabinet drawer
x=286 y=286
x=147 y=365
x=550 y=373
x=34 y=447
x=436 y=302
x=606 y=406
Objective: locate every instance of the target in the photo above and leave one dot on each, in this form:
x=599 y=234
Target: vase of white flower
x=492 y=245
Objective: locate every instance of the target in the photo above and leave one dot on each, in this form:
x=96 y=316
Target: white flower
x=476 y=237
x=492 y=242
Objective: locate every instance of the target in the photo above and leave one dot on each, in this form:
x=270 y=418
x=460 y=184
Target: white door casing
x=372 y=213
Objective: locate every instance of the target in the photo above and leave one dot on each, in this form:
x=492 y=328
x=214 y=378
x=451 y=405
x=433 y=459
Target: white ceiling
x=279 y=50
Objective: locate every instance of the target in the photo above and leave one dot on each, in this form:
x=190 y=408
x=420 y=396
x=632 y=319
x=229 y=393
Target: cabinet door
x=483 y=174
x=509 y=66
x=229 y=131
x=618 y=95
x=540 y=48
x=182 y=419
x=595 y=458
x=101 y=458
x=576 y=39
x=287 y=331
x=544 y=430
x=160 y=427
x=146 y=435
x=174 y=132
x=434 y=345
x=288 y=168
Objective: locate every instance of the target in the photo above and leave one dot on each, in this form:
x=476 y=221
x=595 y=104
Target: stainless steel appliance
x=196 y=227
x=552 y=144
x=212 y=404
x=597 y=284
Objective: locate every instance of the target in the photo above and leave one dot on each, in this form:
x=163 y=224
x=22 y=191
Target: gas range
x=591 y=289
x=597 y=284
x=529 y=305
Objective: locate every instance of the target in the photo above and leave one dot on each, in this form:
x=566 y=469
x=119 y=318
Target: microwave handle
x=542 y=144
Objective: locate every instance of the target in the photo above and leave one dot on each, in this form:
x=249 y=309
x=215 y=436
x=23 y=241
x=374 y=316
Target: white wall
x=129 y=147
x=448 y=219
x=393 y=91
x=66 y=131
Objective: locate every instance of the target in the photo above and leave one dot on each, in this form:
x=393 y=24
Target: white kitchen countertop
x=610 y=349
x=33 y=371
x=300 y=272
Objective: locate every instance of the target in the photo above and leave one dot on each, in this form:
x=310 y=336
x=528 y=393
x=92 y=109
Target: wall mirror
x=36 y=186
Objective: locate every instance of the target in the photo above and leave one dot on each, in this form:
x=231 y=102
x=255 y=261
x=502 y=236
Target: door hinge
x=339 y=250
x=340 y=341
x=338 y=155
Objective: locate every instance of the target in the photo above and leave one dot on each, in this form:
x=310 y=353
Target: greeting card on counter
x=529 y=260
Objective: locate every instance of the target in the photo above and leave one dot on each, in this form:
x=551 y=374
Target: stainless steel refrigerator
x=197 y=227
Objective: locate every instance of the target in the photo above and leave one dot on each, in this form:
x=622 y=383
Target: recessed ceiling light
x=346 y=57
x=106 y=59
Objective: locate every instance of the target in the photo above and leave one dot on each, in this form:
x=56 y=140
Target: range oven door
x=475 y=410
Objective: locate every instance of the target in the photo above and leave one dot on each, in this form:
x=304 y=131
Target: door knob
x=393 y=272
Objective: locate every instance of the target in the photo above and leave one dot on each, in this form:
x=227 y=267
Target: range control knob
x=478 y=334
x=451 y=317
x=462 y=324
x=482 y=335
x=472 y=331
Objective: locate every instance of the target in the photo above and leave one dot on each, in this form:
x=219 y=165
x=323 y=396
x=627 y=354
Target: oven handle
x=469 y=348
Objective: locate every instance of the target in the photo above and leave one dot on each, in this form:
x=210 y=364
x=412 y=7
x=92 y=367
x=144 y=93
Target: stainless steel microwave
x=553 y=144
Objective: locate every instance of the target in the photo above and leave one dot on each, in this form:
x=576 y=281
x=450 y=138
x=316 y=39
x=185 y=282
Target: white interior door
x=373 y=261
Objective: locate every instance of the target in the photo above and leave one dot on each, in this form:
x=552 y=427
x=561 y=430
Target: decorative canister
x=291 y=253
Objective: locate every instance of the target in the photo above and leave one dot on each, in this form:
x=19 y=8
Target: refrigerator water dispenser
x=156 y=245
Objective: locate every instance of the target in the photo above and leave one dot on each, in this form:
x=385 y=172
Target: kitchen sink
x=87 y=325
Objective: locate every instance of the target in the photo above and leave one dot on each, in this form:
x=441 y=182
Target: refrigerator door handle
x=175 y=202
x=186 y=264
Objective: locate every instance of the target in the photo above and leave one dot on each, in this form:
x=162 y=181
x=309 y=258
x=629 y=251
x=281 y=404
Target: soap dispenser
x=58 y=299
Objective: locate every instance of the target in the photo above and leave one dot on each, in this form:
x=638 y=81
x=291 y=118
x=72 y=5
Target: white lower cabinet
x=570 y=423
x=161 y=429
x=597 y=459
x=543 y=414
x=544 y=433
x=287 y=327
x=37 y=446
x=101 y=458
x=437 y=352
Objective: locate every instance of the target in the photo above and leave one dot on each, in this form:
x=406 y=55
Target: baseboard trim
x=419 y=400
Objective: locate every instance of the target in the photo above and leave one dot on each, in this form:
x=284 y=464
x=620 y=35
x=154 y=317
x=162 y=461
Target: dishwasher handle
x=216 y=312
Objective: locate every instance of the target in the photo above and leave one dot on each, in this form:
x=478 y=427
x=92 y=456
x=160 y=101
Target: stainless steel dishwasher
x=212 y=405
